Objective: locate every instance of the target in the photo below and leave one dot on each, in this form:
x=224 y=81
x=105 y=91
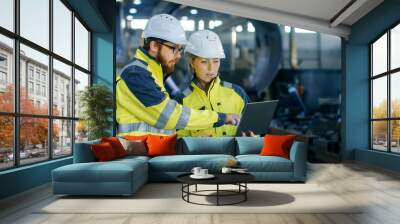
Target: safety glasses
x=175 y=49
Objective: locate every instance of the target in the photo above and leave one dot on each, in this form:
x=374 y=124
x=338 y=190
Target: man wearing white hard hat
x=207 y=91
x=143 y=104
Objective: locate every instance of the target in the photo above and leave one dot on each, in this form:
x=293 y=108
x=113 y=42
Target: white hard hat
x=166 y=27
x=205 y=44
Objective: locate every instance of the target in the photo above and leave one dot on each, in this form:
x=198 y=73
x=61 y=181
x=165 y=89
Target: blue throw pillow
x=249 y=145
x=207 y=145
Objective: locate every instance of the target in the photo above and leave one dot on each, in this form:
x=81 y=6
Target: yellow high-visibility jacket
x=144 y=106
x=222 y=96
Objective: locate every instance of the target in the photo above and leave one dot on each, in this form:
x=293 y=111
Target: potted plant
x=96 y=102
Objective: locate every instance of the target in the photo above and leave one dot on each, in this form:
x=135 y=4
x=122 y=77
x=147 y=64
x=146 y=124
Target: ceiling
x=326 y=16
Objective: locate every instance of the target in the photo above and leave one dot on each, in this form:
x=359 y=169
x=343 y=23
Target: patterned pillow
x=134 y=147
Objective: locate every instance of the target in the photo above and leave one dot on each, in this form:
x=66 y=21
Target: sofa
x=126 y=175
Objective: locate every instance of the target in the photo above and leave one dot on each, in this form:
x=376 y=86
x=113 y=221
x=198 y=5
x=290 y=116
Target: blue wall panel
x=356 y=99
x=356 y=93
x=377 y=158
x=24 y=178
x=103 y=62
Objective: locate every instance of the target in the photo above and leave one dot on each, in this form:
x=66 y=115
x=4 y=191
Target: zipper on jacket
x=209 y=100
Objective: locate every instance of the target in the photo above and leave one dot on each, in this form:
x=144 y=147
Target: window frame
x=3 y=74
x=16 y=114
x=388 y=74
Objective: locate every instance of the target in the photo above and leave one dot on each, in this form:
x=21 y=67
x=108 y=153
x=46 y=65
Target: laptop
x=256 y=117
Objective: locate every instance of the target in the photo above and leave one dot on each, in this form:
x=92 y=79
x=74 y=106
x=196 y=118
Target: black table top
x=220 y=178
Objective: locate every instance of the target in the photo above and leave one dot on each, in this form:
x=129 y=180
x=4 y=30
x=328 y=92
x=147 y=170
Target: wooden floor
x=377 y=188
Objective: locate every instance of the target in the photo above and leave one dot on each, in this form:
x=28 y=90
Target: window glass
x=379 y=56
x=7 y=14
x=379 y=98
x=62 y=138
x=81 y=45
x=35 y=21
x=6 y=142
x=6 y=74
x=62 y=29
x=379 y=135
x=62 y=91
x=39 y=62
x=81 y=82
x=34 y=143
x=395 y=47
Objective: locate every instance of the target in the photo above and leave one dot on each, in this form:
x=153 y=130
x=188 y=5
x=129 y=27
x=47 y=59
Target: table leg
x=196 y=188
x=188 y=189
x=217 y=194
x=245 y=193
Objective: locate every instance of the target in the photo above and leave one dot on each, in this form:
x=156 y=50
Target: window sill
x=26 y=167
x=381 y=159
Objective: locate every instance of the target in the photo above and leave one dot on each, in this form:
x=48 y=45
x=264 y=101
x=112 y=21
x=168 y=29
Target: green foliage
x=97 y=103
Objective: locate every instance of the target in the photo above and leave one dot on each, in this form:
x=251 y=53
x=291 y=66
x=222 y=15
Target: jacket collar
x=153 y=65
x=216 y=81
x=144 y=55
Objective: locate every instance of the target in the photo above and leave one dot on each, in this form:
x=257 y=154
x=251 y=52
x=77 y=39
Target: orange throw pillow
x=116 y=145
x=103 y=152
x=161 y=145
x=277 y=145
x=135 y=138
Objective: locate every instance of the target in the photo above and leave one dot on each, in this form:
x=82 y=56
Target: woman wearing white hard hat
x=207 y=91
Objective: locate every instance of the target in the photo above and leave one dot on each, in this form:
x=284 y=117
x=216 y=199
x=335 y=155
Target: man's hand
x=232 y=119
x=251 y=134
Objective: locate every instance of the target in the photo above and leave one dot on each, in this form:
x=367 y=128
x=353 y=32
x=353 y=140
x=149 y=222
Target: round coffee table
x=238 y=179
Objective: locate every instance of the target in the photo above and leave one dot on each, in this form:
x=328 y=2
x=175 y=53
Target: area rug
x=167 y=198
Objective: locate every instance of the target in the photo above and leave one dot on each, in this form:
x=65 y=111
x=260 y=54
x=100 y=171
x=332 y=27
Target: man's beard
x=167 y=70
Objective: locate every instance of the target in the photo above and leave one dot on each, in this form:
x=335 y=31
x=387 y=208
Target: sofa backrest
x=83 y=152
x=249 y=145
x=206 y=145
x=190 y=146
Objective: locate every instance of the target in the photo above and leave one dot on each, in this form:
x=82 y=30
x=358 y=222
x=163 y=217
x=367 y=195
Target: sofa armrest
x=83 y=152
x=298 y=155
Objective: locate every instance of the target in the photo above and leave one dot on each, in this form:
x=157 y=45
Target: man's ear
x=154 y=46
